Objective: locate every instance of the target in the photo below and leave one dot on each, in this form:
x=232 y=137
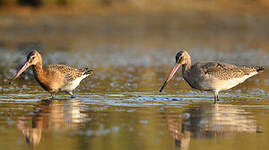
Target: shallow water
x=121 y=108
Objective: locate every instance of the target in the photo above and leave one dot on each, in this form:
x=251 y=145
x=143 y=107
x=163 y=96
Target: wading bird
x=211 y=76
x=54 y=78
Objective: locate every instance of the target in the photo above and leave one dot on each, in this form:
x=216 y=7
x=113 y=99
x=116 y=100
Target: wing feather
x=224 y=71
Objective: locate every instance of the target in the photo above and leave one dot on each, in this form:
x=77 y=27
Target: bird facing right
x=211 y=76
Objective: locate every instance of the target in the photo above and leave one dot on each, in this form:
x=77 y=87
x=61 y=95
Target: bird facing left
x=54 y=78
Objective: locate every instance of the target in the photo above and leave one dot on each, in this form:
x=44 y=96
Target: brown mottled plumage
x=54 y=78
x=224 y=71
x=211 y=76
x=69 y=72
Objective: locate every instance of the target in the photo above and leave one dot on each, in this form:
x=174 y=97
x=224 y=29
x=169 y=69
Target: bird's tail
x=87 y=71
x=259 y=68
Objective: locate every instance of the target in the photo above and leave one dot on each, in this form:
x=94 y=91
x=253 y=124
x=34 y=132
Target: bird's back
x=58 y=76
x=210 y=75
x=223 y=71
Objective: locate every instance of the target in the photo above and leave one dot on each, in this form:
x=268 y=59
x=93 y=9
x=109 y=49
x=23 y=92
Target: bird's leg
x=71 y=93
x=216 y=98
x=52 y=95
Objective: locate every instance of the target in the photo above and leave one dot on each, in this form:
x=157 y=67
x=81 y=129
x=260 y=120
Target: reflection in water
x=210 y=120
x=54 y=114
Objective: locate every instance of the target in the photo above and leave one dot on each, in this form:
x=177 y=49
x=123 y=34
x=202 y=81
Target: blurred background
x=109 y=33
x=78 y=24
x=131 y=45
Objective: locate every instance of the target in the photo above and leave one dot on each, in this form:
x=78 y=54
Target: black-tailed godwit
x=211 y=76
x=54 y=78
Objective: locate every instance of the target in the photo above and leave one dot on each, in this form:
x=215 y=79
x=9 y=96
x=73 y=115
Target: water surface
x=121 y=108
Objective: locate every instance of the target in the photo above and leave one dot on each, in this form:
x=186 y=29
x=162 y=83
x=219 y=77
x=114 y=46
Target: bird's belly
x=73 y=84
x=70 y=86
x=220 y=85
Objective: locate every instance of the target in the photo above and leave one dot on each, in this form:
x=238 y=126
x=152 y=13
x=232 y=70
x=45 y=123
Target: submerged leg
x=216 y=98
x=70 y=93
x=52 y=95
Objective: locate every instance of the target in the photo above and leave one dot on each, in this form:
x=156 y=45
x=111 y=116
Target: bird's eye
x=179 y=59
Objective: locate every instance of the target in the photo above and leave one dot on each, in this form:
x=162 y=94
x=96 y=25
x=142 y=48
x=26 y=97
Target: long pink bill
x=25 y=66
x=174 y=70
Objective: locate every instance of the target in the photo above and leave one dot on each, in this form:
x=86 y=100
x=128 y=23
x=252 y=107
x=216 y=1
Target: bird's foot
x=71 y=94
x=216 y=99
x=52 y=96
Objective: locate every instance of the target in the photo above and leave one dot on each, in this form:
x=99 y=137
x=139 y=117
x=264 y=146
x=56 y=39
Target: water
x=120 y=107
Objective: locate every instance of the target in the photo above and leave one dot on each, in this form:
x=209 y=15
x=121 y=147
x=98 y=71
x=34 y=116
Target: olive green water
x=120 y=107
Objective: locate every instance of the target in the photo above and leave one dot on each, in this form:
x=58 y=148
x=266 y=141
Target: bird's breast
x=49 y=82
x=199 y=81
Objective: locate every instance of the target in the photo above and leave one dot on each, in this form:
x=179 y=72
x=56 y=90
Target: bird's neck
x=186 y=66
x=38 y=69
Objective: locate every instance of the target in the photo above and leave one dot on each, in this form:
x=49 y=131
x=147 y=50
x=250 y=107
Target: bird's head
x=32 y=59
x=181 y=59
